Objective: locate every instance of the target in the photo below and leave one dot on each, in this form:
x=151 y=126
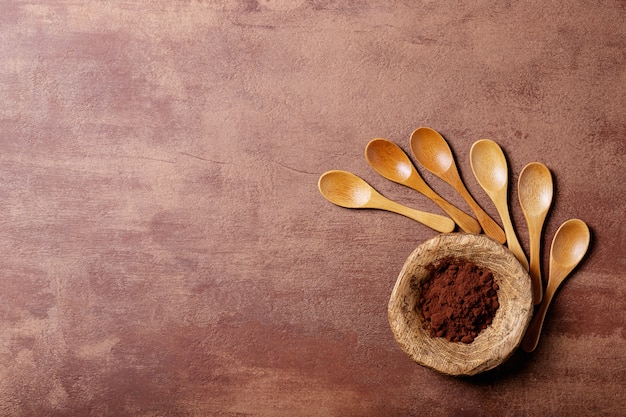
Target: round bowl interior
x=493 y=345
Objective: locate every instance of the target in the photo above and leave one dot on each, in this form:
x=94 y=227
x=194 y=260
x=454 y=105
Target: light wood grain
x=433 y=153
x=347 y=190
x=492 y=173
x=535 y=192
x=569 y=246
x=390 y=161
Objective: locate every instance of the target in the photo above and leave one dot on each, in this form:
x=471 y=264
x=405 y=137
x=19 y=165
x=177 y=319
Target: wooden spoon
x=347 y=190
x=569 y=246
x=534 y=190
x=491 y=172
x=432 y=151
x=390 y=161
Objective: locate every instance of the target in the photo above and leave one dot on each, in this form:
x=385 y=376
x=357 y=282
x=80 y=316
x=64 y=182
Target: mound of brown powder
x=458 y=300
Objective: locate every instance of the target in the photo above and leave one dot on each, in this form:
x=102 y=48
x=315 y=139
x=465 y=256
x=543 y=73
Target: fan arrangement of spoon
x=489 y=166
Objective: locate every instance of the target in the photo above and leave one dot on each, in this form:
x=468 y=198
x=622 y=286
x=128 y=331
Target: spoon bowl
x=489 y=165
x=431 y=149
x=348 y=190
x=491 y=171
x=345 y=189
x=390 y=161
x=433 y=152
x=535 y=193
x=569 y=246
x=535 y=189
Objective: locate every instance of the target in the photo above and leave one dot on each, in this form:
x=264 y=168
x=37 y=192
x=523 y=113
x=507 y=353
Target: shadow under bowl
x=493 y=345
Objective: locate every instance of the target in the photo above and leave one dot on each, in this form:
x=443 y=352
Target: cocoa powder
x=458 y=300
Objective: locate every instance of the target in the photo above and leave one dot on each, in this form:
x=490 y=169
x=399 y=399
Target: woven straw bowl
x=493 y=345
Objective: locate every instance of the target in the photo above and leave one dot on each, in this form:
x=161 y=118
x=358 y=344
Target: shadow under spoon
x=432 y=151
x=535 y=190
x=491 y=172
x=569 y=246
x=390 y=161
x=348 y=190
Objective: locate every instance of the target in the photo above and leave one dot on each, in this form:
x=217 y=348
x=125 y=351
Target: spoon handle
x=490 y=227
x=511 y=237
x=534 y=236
x=436 y=222
x=466 y=222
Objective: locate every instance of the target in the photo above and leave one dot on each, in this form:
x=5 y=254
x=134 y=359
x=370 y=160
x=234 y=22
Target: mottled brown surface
x=166 y=251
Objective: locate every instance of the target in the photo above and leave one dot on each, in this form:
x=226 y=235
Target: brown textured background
x=166 y=252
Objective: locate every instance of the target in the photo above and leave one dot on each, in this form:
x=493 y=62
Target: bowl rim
x=493 y=345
